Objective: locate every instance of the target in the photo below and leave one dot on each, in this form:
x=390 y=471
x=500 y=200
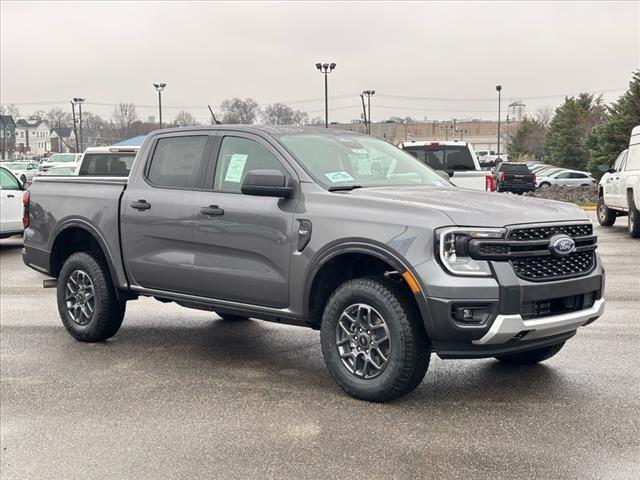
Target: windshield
x=443 y=157
x=514 y=168
x=334 y=160
x=15 y=166
x=71 y=157
x=107 y=164
x=61 y=171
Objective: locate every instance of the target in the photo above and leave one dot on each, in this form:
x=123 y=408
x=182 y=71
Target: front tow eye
x=304 y=234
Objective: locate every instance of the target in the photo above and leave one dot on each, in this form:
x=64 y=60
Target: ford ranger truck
x=332 y=230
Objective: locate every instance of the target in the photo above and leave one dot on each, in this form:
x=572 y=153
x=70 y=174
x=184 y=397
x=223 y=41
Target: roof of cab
x=272 y=130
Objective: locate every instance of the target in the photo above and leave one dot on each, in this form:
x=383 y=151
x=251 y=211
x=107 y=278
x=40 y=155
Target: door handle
x=140 y=205
x=10 y=195
x=212 y=211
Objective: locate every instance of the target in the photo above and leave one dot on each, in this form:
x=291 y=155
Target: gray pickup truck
x=327 y=229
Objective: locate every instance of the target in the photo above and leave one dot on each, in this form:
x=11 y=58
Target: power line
x=446 y=99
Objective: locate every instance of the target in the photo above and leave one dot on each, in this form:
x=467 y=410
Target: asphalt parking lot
x=179 y=393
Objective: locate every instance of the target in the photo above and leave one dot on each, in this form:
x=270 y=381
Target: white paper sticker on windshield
x=236 y=168
x=335 y=177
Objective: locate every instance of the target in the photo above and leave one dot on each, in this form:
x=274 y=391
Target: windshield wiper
x=344 y=188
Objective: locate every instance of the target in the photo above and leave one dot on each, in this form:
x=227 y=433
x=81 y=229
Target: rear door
x=158 y=211
x=10 y=203
x=242 y=245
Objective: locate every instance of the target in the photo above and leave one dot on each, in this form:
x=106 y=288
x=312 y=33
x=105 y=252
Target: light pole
x=499 y=89
x=369 y=94
x=326 y=69
x=75 y=129
x=159 y=88
x=79 y=101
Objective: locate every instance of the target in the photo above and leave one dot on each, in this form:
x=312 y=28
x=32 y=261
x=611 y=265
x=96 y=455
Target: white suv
x=619 y=188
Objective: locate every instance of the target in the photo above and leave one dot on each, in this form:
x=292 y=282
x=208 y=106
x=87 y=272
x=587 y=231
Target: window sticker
x=236 y=168
x=335 y=177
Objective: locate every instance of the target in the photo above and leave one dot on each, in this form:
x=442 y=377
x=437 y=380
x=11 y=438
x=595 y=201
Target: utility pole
x=369 y=94
x=79 y=101
x=326 y=69
x=507 y=142
x=499 y=89
x=75 y=130
x=364 y=112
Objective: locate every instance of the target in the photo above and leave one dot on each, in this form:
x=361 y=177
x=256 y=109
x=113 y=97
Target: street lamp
x=369 y=94
x=326 y=69
x=498 y=89
x=79 y=101
x=159 y=88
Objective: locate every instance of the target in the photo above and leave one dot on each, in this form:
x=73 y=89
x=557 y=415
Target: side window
x=177 y=162
x=8 y=181
x=564 y=175
x=237 y=156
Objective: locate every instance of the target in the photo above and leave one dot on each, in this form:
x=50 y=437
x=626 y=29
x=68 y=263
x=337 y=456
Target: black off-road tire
x=108 y=309
x=531 y=357
x=633 y=219
x=232 y=318
x=409 y=349
x=606 y=216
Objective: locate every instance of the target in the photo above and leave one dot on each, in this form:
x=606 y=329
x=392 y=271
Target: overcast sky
x=110 y=52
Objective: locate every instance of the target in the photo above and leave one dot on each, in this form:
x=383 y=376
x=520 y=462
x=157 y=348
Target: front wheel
x=606 y=216
x=532 y=356
x=544 y=185
x=633 y=219
x=373 y=342
x=87 y=302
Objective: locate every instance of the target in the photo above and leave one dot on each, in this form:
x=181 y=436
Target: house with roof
x=7 y=136
x=63 y=140
x=32 y=138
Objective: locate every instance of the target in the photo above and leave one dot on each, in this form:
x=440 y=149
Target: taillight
x=489 y=183
x=26 y=196
x=502 y=177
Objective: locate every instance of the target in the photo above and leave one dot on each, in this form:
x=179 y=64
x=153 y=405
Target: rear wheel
x=531 y=357
x=606 y=216
x=544 y=185
x=87 y=302
x=373 y=342
x=633 y=219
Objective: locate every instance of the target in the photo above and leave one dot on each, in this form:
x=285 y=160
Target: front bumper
x=515 y=321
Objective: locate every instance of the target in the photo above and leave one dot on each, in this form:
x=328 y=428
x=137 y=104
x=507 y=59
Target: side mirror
x=611 y=170
x=266 y=183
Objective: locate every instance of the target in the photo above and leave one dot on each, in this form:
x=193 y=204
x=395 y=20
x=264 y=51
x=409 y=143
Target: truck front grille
x=540 y=233
x=538 y=269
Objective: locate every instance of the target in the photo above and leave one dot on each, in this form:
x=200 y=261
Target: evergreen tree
x=611 y=137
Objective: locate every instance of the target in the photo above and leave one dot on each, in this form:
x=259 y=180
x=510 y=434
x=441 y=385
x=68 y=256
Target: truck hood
x=476 y=208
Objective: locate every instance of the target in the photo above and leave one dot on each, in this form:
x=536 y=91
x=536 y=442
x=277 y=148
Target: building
x=32 y=138
x=7 y=136
x=63 y=140
x=482 y=134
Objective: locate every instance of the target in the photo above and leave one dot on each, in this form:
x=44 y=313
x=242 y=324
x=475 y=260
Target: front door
x=10 y=203
x=158 y=211
x=242 y=243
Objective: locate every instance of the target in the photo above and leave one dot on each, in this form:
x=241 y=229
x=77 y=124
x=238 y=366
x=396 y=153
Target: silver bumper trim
x=506 y=327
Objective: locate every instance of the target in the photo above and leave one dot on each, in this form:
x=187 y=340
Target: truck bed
x=90 y=203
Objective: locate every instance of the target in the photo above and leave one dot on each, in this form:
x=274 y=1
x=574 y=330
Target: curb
x=590 y=208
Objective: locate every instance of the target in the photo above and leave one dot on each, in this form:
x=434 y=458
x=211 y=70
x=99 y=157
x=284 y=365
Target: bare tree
x=123 y=116
x=10 y=109
x=281 y=114
x=543 y=116
x=57 y=118
x=38 y=115
x=185 y=118
x=237 y=110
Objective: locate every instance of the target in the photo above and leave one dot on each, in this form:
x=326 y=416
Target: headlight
x=452 y=249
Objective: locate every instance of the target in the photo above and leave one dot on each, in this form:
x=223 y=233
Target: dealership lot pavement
x=179 y=393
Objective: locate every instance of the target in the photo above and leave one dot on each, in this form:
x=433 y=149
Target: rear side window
x=237 y=156
x=107 y=164
x=177 y=162
x=444 y=157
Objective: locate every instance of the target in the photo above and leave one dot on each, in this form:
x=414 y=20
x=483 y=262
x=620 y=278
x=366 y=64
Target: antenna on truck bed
x=213 y=117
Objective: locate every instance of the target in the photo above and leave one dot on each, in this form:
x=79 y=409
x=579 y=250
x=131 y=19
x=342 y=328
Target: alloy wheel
x=80 y=297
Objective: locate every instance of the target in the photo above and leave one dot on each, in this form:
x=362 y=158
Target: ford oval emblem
x=561 y=245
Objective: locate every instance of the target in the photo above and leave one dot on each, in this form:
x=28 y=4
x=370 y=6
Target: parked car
x=25 y=171
x=60 y=160
x=454 y=157
x=619 y=188
x=62 y=171
x=539 y=168
x=568 y=178
x=10 y=204
x=322 y=228
x=107 y=161
x=515 y=178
